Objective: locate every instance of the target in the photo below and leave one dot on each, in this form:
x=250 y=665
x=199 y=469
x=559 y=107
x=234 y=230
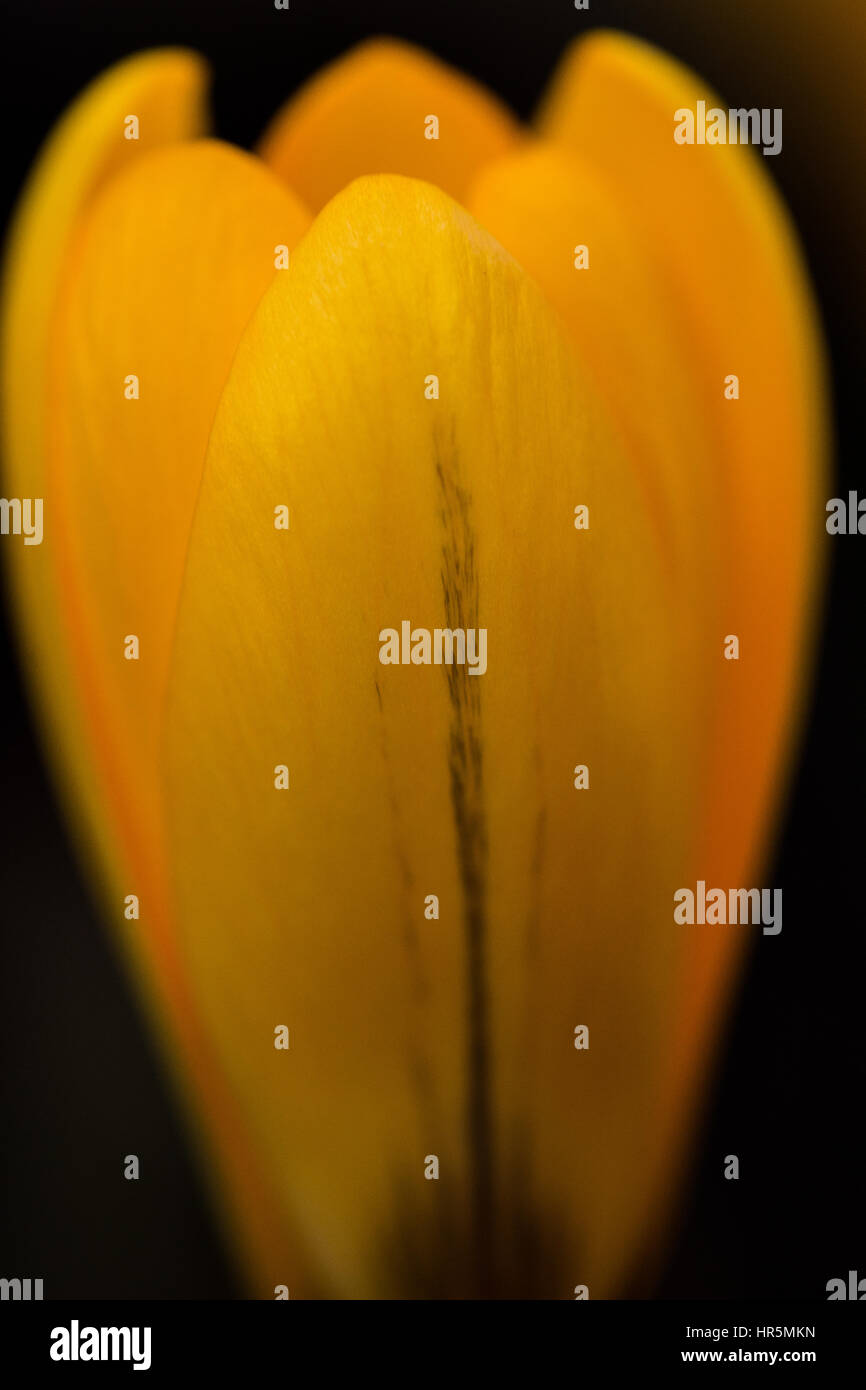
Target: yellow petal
x=555 y=214
x=368 y=113
x=164 y=90
x=170 y=262
x=413 y=1036
x=722 y=250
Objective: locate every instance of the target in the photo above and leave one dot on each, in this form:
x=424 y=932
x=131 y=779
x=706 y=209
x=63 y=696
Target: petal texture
x=305 y=907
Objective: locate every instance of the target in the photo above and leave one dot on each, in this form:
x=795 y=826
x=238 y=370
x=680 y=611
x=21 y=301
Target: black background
x=81 y=1084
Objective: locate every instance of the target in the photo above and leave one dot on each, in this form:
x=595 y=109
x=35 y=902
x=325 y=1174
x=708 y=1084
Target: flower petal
x=366 y=114
x=164 y=90
x=545 y=205
x=721 y=247
x=170 y=261
x=306 y=907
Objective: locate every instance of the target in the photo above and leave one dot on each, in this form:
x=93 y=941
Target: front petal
x=369 y=112
x=413 y=1036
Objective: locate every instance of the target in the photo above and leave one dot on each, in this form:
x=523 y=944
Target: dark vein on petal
x=419 y=1065
x=460 y=589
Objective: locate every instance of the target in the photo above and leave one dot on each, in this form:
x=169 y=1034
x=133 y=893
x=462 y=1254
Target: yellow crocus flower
x=411 y=363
